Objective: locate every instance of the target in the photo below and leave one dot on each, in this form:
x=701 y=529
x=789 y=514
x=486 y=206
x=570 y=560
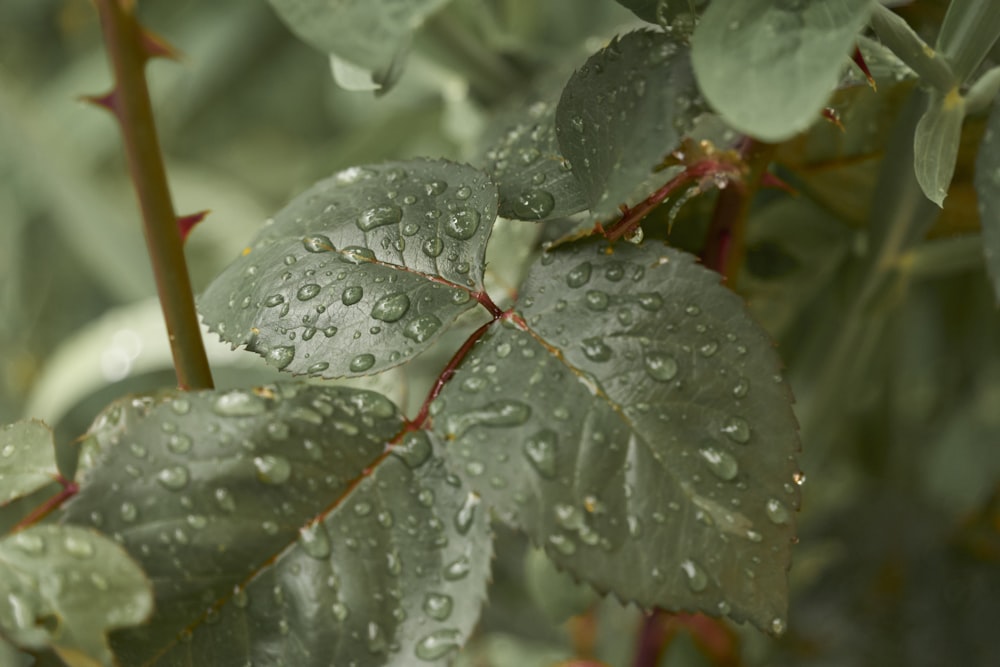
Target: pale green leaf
x=936 y=142
x=278 y=527
x=666 y=12
x=65 y=587
x=27 y=459
x=623 y=112
x=968 y=33
x=768 y=66
x=360 y=272
x=638 y=429
x=535 y=180
x=988 y=192
x=362 y=34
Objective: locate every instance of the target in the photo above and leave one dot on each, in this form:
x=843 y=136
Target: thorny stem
x=129 y=47
x=69 y=489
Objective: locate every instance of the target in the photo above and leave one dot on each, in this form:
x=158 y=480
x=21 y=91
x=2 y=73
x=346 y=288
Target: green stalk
x=129 y=48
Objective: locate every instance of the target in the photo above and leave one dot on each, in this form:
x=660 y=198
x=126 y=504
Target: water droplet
x=576 y=122
x=225 y=499
x=721 y=463
x=466 y=513
x=30 y=544
x=438 y=606
x=737 y=429
x=315 y=540
x=709 y=348
x=692 y=310
x=776 y=511
x=180 y=406
x=503 y=412
x=438 y=644
x=597 y=300
x=435 y=187
x=376 y=638
x=274 y=300
x=340 y=611
x=391 y=307
x=362 y=362
x=414 y=449
x=563 y=544
x=660 y=366
x=272 y=469
x=432 y=247
x=533 y=204
x=596 y=349
x=462 y=224
x=421 y=328
x=238 y=404
x=352 y=295
x=174 y=478
x=318 y=243
x=457 y=569
x=179 y=443
x=80 y=548
x=280 y=356
x=379 y=216
x=196 y=521
x=741 y=388
x=579 y=275
x=697 y=579
x=128 y=512
x=269 y=527
x=308 y=291
x=778 y=626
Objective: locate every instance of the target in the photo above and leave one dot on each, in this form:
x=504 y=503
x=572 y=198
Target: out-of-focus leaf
x=277 y=526
x=897 y=35
x=364 y=33
x=968 y=32
x=936 y=142
x=501 y=650
x=665 y=12
x=535 y=181
x=27 y=459
x=987 y=181
x=768 y=67
x=9 y=655
x=554 y=591
x=65 y=587
x=637 y=429
x=360 y=272
x=623 y=112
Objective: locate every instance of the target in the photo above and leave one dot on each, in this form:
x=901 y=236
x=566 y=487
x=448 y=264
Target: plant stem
x=69 y=490
x=129 y=47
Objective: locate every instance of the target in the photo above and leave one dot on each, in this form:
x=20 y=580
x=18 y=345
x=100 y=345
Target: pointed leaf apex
x=186 y=223
x=859 y=60
x=154 y=46
x=107 y=101
x=769 y=180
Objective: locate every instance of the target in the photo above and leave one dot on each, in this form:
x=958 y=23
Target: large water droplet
x=30 y=544
x=697 y=578
x=179 y=443
x=596 y=349
x=579 y=275
x=421 y=328
x=315 y=540
x=737 y=429
x=597 y=300
x=238 y=404
x=721 y=463
x=660 y=366
x=128 y=512
x=307 y=292
x=432 y=247
x=533 y=204
x=352 y=295
x=438 y=644
x=414 y=450
x=438 y=606
x=776 y=511
x=466 y=513
x=457 y=569
x=272 y=469
x=376 y=638
x=318 y=243
x=379 y=216
x=280 y=356
x=462 y=224
x=362 y=362
x=173 y=478
x=504 y=412
x=391 y=307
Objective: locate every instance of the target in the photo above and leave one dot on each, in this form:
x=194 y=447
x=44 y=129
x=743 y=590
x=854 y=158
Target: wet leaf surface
x=27 y=459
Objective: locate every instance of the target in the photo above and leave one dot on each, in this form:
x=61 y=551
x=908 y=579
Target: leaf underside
x=27 y=459
x=623 y=112
x=768 y=67
x=935 y=144
x=277 y=528
x=988 y=193
x=638 y=430
x=361 y=272
x=64 y=587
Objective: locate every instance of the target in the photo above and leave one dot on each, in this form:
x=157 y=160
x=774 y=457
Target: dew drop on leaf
x=379 y=216
x=272 y=469
x=362 y=362
x=737 y=429
x=128 y=512
x=597 y=300
x=721 y=463
x=318 y=243
x=457 y=569
x=697 y=579
x=78 y=547
x=414 y=449
x=432 y=247
x=315 y=540
x=438 y=644
x=173 y=478
x=30 y=544
x=340 y=611
x=660 y=366
x=466 y=513
x=308 y=291
x=391 y=307
x=438 y=606
x=534 y=204
x=596 y=349
x=776 y=511
x=462 y=224
x=579 y=275
x=352 y=295
x=238 y=404
x=280 y=356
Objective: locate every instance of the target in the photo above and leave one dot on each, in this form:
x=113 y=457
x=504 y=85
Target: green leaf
x=623 y=112
x=968 y=33
x=365 y=34
x=935 y=144
x=987 y=182
x=27 y=459
x=637 y=429
x=276 y=526
x=768 y=66
x=64 y=587
x=360 y=272
x=893 y=30
x=665 y=12
x=535 y=181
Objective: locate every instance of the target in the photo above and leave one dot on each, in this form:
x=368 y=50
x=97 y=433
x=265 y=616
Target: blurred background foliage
x=900 y=529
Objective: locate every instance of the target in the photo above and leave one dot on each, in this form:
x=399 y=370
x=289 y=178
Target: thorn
x=769 y=180
x=107 y=101
x=186 y=223
x=859 y=60
x=154 y=46
x=833 y=116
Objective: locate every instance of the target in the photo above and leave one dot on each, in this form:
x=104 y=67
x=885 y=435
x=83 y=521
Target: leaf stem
x=129 y=47
x=69 y=489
